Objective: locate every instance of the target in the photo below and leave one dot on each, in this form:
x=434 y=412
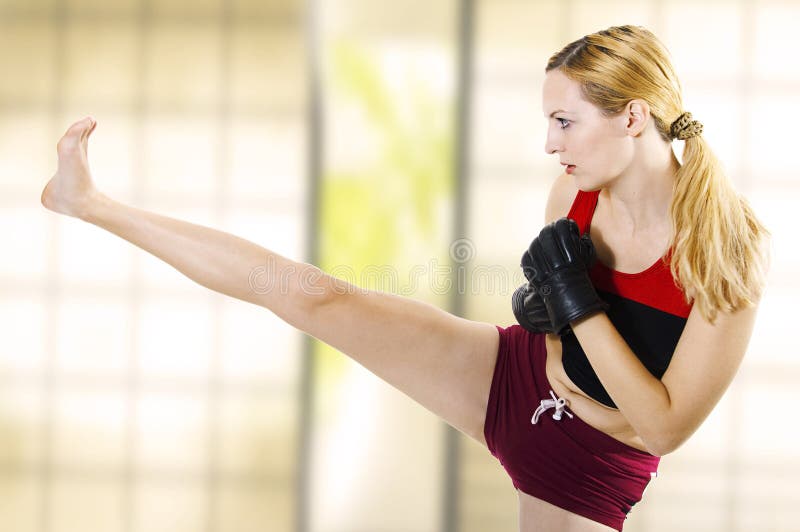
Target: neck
x=638 y=200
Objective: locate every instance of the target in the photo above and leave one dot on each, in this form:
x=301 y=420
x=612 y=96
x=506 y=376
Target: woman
x=613 y=104
x=678 y=261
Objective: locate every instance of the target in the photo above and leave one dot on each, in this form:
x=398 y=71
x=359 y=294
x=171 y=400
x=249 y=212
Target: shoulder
x=562 y=195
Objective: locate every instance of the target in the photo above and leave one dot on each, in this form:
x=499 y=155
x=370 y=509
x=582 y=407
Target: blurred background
x=398 y=145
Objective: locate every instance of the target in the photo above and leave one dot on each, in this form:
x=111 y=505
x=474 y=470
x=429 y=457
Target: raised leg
x=442 y=361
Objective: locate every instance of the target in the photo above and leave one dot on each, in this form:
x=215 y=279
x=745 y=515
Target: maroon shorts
x=564 y=462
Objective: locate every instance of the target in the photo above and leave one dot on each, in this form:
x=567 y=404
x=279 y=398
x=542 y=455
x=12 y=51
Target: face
x=600 y=148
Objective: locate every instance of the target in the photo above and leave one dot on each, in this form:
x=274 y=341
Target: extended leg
x=442 y=361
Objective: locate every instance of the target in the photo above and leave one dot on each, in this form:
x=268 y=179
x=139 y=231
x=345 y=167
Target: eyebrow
x=559 y=111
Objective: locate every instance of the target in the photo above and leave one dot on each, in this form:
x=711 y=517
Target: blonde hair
x=719 y=257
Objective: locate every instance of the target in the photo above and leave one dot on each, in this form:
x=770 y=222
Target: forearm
x=641 y=398
x=215 y=259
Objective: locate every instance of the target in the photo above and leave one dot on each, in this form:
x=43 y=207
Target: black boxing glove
x=528 y=306
x=530 y=311
x=560 y=274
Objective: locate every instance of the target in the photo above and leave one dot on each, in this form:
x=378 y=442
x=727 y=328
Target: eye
x=564 y=122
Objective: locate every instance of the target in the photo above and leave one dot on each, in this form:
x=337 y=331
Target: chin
x=585 y=186
x=589 y=184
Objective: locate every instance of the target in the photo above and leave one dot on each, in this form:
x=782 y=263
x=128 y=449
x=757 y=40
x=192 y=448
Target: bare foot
x=71 y=189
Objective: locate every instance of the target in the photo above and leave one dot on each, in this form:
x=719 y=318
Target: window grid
x=131 y=478
x=478 y=505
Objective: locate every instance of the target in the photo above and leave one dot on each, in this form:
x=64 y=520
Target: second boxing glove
x=526 y=303
x=560 y=275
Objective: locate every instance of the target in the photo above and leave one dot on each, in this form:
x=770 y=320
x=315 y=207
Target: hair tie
x=684 y=127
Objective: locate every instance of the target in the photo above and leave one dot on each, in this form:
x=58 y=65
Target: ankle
x=92 y=209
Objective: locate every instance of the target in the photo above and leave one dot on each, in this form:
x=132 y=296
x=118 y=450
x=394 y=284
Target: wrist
x=578 y=322
x=569 y=295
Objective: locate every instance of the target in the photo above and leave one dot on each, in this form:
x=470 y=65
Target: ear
x=637 y=114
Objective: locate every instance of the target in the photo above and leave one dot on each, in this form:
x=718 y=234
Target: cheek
x=616 y=157
x=608 y=155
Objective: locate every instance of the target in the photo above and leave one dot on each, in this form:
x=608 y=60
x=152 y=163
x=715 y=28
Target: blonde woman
x=642 y=293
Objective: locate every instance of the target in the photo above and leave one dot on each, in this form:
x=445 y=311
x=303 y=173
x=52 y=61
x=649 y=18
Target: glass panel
x=387 y=198
x=721 y=39
x=21 y=423
x=175 y=338
x=775 y=440
x=776 y=42
x=202 y=118
x=508 y=118
x=256 y=431
x=21 y=496
x=120 y=7
x=770 y=137
x=167 y=166
x=267 y=163
x=506 y=41
x=254 y=508
x=271 y=226
x=27 y=46
x=90 y=428
x=256 y=346
x=188 y=8
x=27 y=248
x=172 y=81
x=23 y=346
x=267 y=70
x=100 y=63
x=27 y=154
x=719 y=108
x=172 y=432
x=79 y=505
x=78 y=259
x=173 y=507
x=93 y=337
x=587 y=16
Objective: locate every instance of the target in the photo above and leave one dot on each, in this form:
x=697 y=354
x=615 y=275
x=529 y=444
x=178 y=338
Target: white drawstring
x=559 y=404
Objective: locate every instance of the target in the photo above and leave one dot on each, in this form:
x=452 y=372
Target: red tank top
x=647 y=308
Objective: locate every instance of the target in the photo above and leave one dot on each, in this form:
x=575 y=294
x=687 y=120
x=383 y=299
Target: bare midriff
x=595 y=414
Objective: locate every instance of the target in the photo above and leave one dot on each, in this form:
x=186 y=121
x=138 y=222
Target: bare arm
x=666 y=412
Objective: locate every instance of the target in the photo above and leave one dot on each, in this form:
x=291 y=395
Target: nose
x=552 y=144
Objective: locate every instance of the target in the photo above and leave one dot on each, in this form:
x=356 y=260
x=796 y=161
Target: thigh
x=442 y=361
x=536 y=515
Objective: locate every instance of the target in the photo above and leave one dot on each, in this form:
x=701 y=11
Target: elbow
x=658 y=450
x=664 y=445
